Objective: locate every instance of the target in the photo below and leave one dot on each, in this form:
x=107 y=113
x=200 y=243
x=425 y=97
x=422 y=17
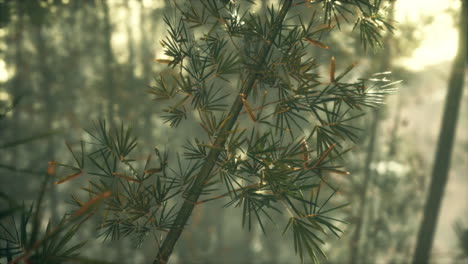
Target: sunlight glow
x=4 y=96
x=439 y=41
x=3 y=71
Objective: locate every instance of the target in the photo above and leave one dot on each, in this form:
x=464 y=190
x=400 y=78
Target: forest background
x=66 y=64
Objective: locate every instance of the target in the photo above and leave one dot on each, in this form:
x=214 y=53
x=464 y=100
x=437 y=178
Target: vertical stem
x=146 y=39
x=46 y=85
x=444 y=146
x=18 y=86
x=192 y=194
x=385 y=63
x=396 y=125
x=221 y=221
x=109 y=63
x=147 y=58
x=130 y=42
x=355 y=240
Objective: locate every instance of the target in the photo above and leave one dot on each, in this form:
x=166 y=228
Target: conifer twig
x=195 y=190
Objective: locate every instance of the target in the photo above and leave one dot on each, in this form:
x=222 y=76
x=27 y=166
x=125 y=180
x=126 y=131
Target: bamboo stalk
x=444 y=146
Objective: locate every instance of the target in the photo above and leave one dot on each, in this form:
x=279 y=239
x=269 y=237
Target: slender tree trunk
x=145 y=43
x=45 y=86
x=370 y=252
x=385 y=64
x=108 y=64
x=17 y=88
x=444 y=147
x=146 y=60
x=72 y=78
x=355 y=240
x=130 y=43
x=396 y=126
x=192 y=194
x=130 y=79
x=370 y=232
x=220 y=225
x=110 y=87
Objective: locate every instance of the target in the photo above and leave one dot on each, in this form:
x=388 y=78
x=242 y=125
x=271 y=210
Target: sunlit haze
x=439 y=37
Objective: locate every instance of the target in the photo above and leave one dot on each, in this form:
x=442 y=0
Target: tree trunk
x=384 y=65
x=45 y=86
x=356 y=238
x=17 y=87
x=146 y=59
x=444 y=147
x=109 y=64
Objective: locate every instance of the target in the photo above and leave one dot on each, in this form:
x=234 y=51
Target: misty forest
x=233 y=131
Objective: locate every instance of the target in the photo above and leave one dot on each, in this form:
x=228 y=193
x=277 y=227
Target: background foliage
x=71 y=64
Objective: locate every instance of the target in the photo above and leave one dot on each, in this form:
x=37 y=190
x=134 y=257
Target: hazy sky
x=440 y=37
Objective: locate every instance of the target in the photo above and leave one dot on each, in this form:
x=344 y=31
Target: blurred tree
x=383 y=64
x=38 y=15
x=17 y=87
x=462 y=234
x=110 y=84
x=444 y=145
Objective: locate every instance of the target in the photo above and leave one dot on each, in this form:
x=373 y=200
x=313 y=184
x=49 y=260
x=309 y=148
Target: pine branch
x=192 y=194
